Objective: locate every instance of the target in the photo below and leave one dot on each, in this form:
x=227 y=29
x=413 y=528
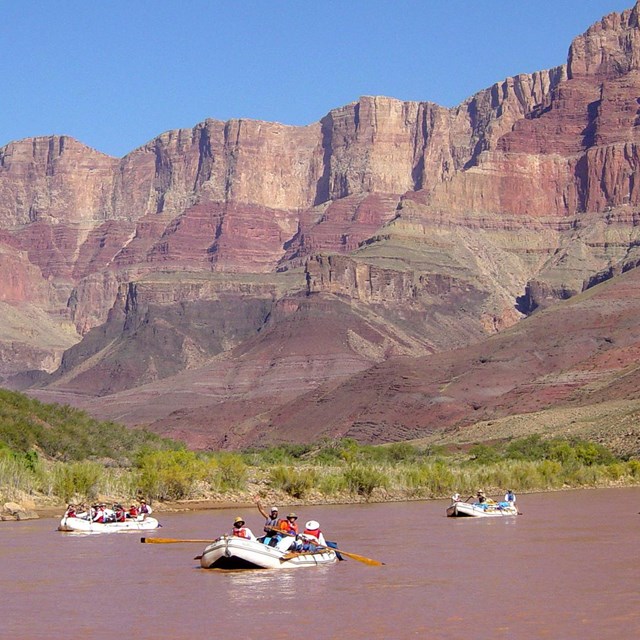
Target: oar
x=355 y=556
x=281 y=532
x=295 y=554
x=172 y=540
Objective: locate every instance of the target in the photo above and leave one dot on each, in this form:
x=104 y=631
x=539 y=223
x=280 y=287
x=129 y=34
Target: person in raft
x=71 y=511
x=270 y=519
x=240 y=531
x=120 y=512
x=312 y=537
x=288 y=524
x=144 y=509
x=510 y=497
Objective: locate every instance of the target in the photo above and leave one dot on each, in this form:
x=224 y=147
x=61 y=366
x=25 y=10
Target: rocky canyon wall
x=422 y=203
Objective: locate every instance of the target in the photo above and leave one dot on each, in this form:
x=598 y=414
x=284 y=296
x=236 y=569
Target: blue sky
x=117 y=73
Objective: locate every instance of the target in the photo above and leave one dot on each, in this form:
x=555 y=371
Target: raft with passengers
x=278 y=549
x=281 y=547
x=99 y=518
x=482 y=507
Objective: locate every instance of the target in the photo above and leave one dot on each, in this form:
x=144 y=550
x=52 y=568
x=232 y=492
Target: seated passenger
x=312 y=537
x=288 y=524
x=99 y=513
x=133 y=511
x=144 y=509
x=109 y=514
x=240 y=531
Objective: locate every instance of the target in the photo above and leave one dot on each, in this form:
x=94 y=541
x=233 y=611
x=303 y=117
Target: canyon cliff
x=222 y=282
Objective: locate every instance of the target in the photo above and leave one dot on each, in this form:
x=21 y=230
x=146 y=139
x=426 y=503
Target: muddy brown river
x=568 y=567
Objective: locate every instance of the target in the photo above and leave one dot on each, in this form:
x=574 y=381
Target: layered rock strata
x=436 y=226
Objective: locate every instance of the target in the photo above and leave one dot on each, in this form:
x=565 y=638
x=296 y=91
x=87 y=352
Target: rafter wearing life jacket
x=289 y=525
x=240 y=531
x=312 y=533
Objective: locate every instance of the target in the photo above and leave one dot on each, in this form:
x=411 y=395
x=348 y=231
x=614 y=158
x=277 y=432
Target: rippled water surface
x=569 y=567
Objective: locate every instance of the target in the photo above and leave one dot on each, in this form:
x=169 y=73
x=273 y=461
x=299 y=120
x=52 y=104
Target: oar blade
x=370 y=561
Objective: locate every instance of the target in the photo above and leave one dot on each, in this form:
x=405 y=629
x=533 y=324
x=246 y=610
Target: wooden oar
x=295 y=554
x=281 y=532
x=172 y=540
x=355 y=556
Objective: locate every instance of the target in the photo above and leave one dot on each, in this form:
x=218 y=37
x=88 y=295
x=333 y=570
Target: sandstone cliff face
x=436 y=227
x=54 y=179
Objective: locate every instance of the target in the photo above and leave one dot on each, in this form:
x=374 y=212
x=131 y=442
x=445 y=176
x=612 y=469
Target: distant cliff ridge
x=308 y=254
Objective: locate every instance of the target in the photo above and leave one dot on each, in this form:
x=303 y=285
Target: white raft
x=460 y=509
x=232 y=552
x=86 y=526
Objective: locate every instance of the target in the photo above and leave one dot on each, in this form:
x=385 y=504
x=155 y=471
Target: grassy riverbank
x=52 y=455
x=338 y=472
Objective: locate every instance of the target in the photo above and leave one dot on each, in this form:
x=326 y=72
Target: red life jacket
x=313 y=532
x=240 y=532
x=133 y=512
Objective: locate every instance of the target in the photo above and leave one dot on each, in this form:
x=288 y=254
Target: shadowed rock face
x=388 y=229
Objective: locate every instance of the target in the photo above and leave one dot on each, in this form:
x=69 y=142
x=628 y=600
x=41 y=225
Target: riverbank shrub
x=633 y=468
x=295 y=482
x=332 y=483
x=169 y=475
x=77 y=481
x=231 y=471
x=363 y=480
x=429 y=479
x=17 y=474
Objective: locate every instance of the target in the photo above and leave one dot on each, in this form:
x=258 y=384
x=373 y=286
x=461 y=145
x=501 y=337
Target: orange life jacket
x=240 y=532
x=288 y=527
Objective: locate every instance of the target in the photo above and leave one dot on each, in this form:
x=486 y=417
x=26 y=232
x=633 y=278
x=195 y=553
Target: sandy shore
x=284 y=502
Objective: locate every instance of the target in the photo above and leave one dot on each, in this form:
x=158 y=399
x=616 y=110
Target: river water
x=568 y=567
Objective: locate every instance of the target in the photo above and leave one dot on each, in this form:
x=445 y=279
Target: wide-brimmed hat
x=292 y=515
x=312 y=524
x=238 y=520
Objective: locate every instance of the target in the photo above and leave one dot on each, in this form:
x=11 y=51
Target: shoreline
x=180 y=506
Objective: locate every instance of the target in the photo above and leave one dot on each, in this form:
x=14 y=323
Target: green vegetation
x=62 y=433
x=62 y=454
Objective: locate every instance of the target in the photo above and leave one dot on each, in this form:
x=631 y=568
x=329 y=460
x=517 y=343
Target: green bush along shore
x=55 y=454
